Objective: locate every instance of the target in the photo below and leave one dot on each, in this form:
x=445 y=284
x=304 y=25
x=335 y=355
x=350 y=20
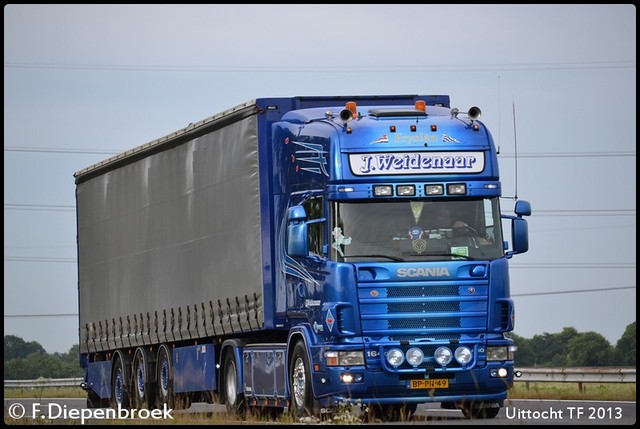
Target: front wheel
x=233 y=399
x=300 y=381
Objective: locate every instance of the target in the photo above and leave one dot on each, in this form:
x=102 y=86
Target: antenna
x=499 y=116
x=515 y=144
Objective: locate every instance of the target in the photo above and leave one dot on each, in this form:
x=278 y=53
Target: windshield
x=416 y=230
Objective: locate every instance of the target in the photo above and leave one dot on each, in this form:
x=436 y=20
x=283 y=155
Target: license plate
x=437 y=383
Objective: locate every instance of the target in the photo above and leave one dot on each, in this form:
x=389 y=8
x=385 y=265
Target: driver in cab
x=442 y=218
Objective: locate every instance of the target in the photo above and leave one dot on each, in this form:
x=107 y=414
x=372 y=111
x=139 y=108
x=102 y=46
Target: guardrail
x=576 y=375
x=557 y=375
x=44 y=382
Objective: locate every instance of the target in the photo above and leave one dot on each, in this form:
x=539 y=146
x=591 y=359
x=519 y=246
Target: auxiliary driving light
x=433 y=189
x=395 y=357
x=456 y=189
x=415 y=356
x=405 y=190
x=443 y=355
x=463 y=355
x=499 y=372
x=383 y=191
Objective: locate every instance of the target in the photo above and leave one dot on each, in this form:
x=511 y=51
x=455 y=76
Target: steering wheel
x=465 y=230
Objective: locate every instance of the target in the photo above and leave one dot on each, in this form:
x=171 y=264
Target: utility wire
x=10 y=316
x=624 y=64
x=572 y=291
x=39 y=207
x=503 y=155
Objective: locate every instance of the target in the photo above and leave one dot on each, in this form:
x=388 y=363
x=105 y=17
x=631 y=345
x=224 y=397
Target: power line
x=537 y=212
x=575 y=265
x=7 y=316
x=38 y=259
x=15 y=316
x=569 y=154
x=573 y=291
x=623 y=64
x=39 y=207
x=61 y=150
x=546 y=265
x=502 y=155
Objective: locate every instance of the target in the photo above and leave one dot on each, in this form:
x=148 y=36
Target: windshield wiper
x=453 y=255
x=375 y=255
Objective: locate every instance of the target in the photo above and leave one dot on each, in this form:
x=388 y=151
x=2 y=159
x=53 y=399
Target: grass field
x=535 y=390
x=551 y=391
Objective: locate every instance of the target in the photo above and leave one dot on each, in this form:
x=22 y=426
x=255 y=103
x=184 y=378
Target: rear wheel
x=120 y=385
x=164 y=377
x=142 y=392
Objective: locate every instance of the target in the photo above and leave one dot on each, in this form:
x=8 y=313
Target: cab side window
x=315 y=210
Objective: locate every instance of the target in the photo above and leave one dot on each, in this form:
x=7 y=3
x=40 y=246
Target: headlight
x=497 y=353
x=395 y=357
x=346 y=358
x=415 y=356
x=443 y=355
x=463 y=355
x=351 y=358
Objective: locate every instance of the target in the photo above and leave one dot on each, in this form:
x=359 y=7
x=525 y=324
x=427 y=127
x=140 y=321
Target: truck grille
x=433 y=309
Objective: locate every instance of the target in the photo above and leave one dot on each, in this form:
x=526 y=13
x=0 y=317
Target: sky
x=556 y=85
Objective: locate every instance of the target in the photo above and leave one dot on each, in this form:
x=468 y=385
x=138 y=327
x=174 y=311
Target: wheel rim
x=299 y=381
x=119 y=386
x=164 y=378
x=230 y=383
x=140 y=378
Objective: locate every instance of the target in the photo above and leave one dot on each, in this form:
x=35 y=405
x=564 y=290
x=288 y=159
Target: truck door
x=306 y=259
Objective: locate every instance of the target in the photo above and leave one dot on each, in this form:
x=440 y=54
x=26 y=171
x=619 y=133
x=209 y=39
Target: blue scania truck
x=283 y=255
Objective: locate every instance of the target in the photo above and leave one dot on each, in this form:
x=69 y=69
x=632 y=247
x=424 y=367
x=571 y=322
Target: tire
x=120 y=385
x=234 y=400
x=142 y=391
x=300 y=382
x=164 y=379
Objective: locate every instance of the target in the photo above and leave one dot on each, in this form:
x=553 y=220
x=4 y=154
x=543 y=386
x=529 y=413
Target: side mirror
x=519 y=228
x=520 y=235
x=522 y=208
x=297 y=232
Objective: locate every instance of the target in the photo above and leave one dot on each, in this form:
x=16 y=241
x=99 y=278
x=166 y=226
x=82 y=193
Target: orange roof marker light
x=351 y=105
x=349 y=112
x=421 y=105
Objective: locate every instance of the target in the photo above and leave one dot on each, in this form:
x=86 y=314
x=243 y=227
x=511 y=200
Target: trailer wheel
x=164 y=378
x=120 y=385
x=234 y=400
x=142 y=391
x=300 y=380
